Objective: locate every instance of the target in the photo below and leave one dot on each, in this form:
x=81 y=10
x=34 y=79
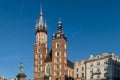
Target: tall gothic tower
x=40 y=49
x=59 y=53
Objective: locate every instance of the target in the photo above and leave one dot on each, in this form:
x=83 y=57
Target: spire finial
x=60 y=25
x=41 y=17
x=41 y=10
x=59 y=20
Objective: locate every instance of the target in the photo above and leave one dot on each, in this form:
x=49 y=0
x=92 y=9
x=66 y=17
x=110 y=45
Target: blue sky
x=91 y=27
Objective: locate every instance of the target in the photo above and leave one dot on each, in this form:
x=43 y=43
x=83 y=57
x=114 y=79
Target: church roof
x=49 y=57
x=70 y=64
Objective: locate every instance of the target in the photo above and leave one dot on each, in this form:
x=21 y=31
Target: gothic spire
x=41 y=23
x=41 y=26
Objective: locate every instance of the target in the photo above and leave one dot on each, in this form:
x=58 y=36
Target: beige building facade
x=79 y=70
x=104 y=66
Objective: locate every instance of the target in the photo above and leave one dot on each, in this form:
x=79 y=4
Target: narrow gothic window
x=41 y=61
x=38 y=50
x=64 y=54
x=54 y=73
x=58 y=54
x=58 y=60
x=57 y=73
x=41 y=68
x=48 y=69
x=54 y=60
x=40 y=55
x=60 y=73
x=57 y=66
x=60 y=66
x=57 y=45
x=65 y=46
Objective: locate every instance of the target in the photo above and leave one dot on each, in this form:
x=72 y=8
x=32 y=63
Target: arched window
x=48 y=69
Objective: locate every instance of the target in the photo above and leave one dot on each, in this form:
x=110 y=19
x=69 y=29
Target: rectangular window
x=98 y=77
x=105 y=69
x=91 y=65
x=98 y=63
x=105 y=74
x=82 y=74
x=82 y=68
x=98 y=69
x=77 y=69
x=91 y=71
x=77 y=75
x=106 y=62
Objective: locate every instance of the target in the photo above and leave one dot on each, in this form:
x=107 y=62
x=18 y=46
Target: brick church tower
x=53 y=64
x=59 y=54
x=40 y=49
